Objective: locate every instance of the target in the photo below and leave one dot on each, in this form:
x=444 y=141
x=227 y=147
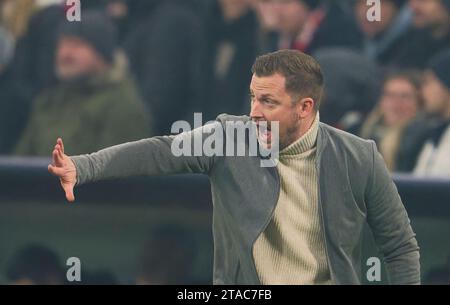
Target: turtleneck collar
x=305 y=142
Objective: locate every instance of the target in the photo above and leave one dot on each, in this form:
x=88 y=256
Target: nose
x=255 y=112
x=63 y=51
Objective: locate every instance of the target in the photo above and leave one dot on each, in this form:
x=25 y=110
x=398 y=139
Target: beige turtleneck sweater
x=291 y=250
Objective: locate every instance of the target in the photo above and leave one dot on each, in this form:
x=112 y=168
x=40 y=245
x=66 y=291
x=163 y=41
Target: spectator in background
x=166 y=48
x=381 y=38
x=350 y=93
x=167 y=257
x=399 y=105
x=232 y=35
x=35 y=265
x=268 y=25
x=308 y=25
x=95 y=99
x=15 y=15
x=434 y=159
x=128 y=14
x=30 y=71
x=119 y=12
x=429 y=35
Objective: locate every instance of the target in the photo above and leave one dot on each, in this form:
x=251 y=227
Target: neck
x=305 y=126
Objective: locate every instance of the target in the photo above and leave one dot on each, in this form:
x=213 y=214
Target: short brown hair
x=302 y=72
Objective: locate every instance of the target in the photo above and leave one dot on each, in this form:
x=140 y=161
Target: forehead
x=274 y=84
x=398 y=83
x=73 y=42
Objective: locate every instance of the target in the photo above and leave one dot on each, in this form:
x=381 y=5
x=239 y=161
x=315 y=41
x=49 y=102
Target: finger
x=60 y=142
x=69 y=193
x=54 y=157
x=60 y=152
x=58 y=161
x=55 y=170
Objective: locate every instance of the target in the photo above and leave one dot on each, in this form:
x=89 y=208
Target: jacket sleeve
x=390 y=226
x=147 y=157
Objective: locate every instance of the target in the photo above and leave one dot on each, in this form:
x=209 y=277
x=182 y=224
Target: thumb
x=68 y=189
x=55 y=170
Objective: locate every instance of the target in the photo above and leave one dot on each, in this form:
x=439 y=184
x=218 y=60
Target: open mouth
x=264 y=133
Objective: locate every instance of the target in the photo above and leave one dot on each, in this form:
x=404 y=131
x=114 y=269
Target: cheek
x=273 y=117
x=62 y=53
x=432 y=93
x=409 y=107
x=432 y=101
x=276 y=117
x=85 y=58
x=426 y=92
x=385 y=106
x=288 y=122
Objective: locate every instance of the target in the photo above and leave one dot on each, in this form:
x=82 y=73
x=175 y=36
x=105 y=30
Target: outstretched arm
x=152 y=156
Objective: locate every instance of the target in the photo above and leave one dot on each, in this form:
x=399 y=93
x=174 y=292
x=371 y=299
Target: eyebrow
x=267 y=95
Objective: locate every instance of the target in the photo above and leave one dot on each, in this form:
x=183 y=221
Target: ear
x=305 y=107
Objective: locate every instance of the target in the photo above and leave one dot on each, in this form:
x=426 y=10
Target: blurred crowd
x=170 y=264
x=166 y=257
x=133 y=67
